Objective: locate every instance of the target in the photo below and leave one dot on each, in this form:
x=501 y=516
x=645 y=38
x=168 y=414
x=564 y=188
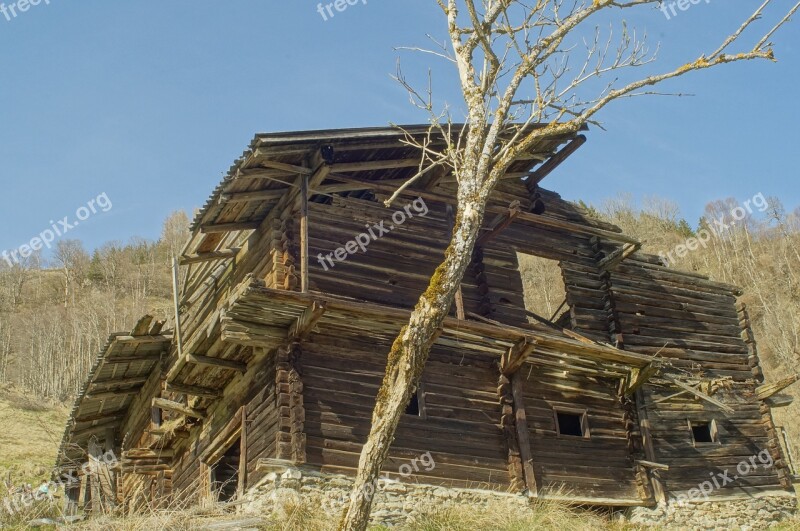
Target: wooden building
x=647 y=384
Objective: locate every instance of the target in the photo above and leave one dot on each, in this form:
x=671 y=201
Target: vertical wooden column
x=514 y=424
x=243 y=453
x=291 y=438
x=658 y=491
x=523 y=435
x=304 y=233
x=508 y=426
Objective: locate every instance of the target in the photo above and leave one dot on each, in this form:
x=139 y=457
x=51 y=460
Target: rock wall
x=398 y=503
x=751 y=514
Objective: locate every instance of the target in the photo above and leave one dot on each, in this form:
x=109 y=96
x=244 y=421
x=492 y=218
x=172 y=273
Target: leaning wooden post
x=176 y=302
x=304 y=234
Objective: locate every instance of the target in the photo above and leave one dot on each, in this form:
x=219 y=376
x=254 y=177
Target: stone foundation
x=750 y=514
x=398 y=503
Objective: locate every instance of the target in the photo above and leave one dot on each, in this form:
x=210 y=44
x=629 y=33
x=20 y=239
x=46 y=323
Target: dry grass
x=502 y=516
x=29 y=438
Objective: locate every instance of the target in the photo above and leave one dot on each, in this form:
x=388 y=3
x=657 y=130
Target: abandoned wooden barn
x=642 y=386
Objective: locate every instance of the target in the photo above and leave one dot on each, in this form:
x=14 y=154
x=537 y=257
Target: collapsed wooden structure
x=648 y=384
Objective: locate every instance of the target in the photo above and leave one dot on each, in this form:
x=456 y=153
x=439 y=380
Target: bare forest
x=57 y=312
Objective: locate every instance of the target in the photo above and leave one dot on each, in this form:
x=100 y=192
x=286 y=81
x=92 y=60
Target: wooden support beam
x=304 y=234
x=258 y=195
x=93 y=430
x=271 y=164
x=698 y=394
x=223 y=439
x=106 y=415
x=375 y=165
x=208 y=257
x=142 y=340
x=639 y=377
x=197 y=359
x=117 y=393
x=175 y=407
x=651 y=464
x=779 y=400
x=497 y=225
x=304 y=324
x=649 y=449
x=229 y=227
x=767 y=390
x=614 y=259
x=120 y=382
x=523 y=435
x=555 y=161
x=193 y=390
x=516 y=356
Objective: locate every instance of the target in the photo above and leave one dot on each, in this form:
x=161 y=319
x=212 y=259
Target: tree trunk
x=410 y=352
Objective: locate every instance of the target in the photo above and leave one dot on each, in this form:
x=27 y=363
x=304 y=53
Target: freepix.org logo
x=14 y=9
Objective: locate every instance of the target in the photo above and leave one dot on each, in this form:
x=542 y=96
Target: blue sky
x=150 y=102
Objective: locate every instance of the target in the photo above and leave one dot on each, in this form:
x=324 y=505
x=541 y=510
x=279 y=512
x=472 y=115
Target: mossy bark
x=409 y=354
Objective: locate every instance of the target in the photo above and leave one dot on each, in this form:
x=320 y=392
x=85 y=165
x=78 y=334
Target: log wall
x=460 y=427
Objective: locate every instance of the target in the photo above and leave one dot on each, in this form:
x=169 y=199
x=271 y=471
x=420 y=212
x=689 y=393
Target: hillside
x=29 y=438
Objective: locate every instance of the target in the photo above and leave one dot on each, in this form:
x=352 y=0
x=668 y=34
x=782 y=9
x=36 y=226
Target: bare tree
x=175 y=232
x=73 y=262
x=514 y=60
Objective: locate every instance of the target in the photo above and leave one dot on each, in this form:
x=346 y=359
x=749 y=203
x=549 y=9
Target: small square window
x=572 y=423
x=704 y=432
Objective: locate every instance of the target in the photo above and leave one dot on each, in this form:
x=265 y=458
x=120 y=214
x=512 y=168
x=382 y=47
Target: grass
x=29 y=438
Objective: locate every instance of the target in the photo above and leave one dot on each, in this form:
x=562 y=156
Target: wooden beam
x=640 y=376
x=223 y=439
x=698 y=394
x=779 y=400
x=175 y=407
x=117 y=393
x=142 y=340
x=555 y=161
x=523 y=435
x=271 y=164
x=197 y=359
x=106 y=415
x=649 y=449
x=304 y=234
x=516 y=356
x=767 y=390
x=121 y=382
x=497 y=225
x=194 y=390
x=208 y=257
x=258 y=195
x=614 y=259
x=229 y=227
x=99 y=428
x=176 y=305
x=651 y=464
x=375 y=165
x=261 y=173
x=304 y=324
